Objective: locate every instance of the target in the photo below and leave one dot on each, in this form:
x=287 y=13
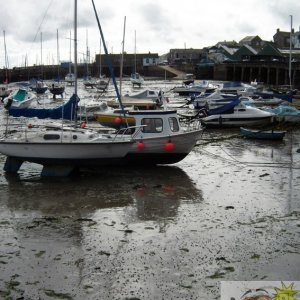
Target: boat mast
x=87 y=54
x=75 y=64
x=100 y=67
x=290 y=60
x=108 y=60
x=41 y=55
x=57 y=55
x=70 y=62
x=6 y=58
x=135 y=52
x=122 y=58
x=75 y=48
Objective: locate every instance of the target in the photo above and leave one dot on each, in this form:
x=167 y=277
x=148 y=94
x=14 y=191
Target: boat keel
x=12 y=165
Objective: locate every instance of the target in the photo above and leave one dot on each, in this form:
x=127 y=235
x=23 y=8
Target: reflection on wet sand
x=64 y=234
x=87 y=192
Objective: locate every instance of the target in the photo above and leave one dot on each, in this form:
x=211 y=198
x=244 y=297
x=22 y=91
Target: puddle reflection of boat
x=159 y=197
x=157 y=192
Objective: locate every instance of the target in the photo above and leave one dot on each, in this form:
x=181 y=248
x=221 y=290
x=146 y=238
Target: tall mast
x=100 y=66
x=135 y=51
x=75 y=47
x=41 y=55
x=108 y=61
x=70 y=62
x=122 y=58
x=87 y=54
x=6 y=58
x=290 y=59
x=57 y=53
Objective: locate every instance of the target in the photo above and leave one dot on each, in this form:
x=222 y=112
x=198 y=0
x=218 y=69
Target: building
x=252 y=41
x=185 y=56
x=282 y=38
x=130 y=62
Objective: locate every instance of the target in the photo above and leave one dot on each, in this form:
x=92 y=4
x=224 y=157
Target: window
x=173 y=122
x=51 y=137
x=153 y=125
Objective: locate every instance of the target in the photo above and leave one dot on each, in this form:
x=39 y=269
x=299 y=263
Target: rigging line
x=221 y=157
x=44 y=16
x=230 y=155
x=285 y=165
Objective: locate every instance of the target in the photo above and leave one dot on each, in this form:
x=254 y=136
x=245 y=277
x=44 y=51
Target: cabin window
x=153 y=125
x=51 y=137
x=173 y=122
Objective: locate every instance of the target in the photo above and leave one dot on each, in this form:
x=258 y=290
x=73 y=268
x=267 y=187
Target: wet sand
x=228 y=211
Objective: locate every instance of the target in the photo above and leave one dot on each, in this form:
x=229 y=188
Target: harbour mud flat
x=229 y=211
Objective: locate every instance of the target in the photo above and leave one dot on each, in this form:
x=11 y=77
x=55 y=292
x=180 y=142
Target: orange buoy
x=169 y=146
x=118 y=120
x=141 y=146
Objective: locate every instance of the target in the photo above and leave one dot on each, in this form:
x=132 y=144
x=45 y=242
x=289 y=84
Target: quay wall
x=271 y=73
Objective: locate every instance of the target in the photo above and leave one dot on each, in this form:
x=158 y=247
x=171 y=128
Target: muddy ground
x=229 y=211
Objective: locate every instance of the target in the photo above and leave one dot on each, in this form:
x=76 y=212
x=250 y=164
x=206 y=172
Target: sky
x=154 y=26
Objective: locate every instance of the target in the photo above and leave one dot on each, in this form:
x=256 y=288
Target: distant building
x=185 y=56
x=229 y=44
x=269 y=53
x=282 y=38
x=252 y=41
x=65 y=65
x=150 y=61
x=244 y=53
x=129 y=60
x=223 y=51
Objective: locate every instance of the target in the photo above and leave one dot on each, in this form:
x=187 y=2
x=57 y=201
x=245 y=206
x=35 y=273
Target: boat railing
x=132 y=130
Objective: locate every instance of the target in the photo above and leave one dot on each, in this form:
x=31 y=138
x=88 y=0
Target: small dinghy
x=262 y=134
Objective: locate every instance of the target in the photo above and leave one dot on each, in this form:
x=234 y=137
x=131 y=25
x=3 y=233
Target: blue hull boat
x=65 y=111
x=262 y=134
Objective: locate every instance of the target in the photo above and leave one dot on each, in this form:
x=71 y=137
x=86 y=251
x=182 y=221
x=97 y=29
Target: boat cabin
x=155 y=123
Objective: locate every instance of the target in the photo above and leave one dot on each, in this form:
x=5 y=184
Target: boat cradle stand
x=12 y=165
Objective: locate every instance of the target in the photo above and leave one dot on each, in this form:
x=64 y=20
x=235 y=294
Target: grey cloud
x=283 y=10
x=154 y=17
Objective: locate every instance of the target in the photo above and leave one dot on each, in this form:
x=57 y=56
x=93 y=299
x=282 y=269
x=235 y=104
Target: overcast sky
x=160 y=25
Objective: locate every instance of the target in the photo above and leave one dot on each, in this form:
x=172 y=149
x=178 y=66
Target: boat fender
x=169 y=146
x=118 y=120
x=141 y=145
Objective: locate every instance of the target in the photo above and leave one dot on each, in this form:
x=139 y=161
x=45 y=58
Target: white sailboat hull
x=64 y=151
x=242 y=116
x=106 y=150
x=101 y=153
